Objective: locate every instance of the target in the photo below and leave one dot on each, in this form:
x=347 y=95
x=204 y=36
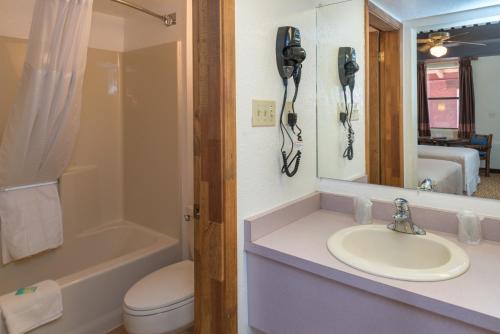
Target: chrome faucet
x=402 y=219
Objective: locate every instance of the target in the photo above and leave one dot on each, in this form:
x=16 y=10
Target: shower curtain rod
x=167 y=19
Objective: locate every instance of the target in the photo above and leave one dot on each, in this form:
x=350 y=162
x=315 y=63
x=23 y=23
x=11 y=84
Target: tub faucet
x=402 y=219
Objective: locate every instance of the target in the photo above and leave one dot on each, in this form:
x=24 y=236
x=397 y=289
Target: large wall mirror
x=446 y=139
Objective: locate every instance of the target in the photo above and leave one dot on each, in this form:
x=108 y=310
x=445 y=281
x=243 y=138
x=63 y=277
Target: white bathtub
x=94 y=270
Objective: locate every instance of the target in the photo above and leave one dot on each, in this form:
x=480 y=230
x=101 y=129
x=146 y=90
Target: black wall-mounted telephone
x=289 y=58
x=347 y=75
x=289 y=51
x=347 y=66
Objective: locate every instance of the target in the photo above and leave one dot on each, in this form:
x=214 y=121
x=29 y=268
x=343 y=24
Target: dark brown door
x=391 y=111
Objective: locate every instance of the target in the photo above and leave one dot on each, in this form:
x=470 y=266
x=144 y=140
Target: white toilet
x=162 y=302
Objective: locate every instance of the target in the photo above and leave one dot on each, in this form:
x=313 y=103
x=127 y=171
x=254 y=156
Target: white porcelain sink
x=383 y=252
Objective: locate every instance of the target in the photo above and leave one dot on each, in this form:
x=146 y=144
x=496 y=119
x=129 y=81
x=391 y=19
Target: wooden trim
x=215 y=166
x=367 y=92
x=492 y=170
x=373 y=110
x=442 y=98
x=385 y=165
x=381 y=20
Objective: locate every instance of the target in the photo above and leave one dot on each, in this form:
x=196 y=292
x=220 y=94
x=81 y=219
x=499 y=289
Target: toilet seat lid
x=167 y=286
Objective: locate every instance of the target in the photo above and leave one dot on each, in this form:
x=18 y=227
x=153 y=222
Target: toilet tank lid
x=167 y=286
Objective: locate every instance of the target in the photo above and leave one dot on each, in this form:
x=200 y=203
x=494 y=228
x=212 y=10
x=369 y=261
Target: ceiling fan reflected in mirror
x=437 y=43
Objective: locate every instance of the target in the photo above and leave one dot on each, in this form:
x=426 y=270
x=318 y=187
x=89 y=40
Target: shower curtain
x=40 y=134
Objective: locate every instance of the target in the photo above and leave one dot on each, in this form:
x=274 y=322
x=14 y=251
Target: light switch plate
x=263 y=113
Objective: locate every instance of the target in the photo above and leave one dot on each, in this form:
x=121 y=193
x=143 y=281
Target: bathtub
x=94 y=270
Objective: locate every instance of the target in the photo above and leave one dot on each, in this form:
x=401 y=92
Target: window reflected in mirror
x=443 y=95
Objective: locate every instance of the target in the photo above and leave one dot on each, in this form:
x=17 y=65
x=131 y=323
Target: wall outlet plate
x=355 y=111
x=263 y=113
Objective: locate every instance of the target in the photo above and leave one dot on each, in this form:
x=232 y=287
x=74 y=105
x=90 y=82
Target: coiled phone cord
x=287 y=164
x=349 y=151
x=296 y=78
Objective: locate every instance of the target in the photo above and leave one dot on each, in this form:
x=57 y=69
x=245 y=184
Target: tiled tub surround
x=297 y=286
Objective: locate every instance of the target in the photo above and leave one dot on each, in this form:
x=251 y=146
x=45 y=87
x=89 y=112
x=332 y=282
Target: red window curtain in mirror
x=424 y=129
x=467 y=118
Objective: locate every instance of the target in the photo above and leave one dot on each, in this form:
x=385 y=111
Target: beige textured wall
x=100 y=141
x=100 y=138
x=128 y=131
x=12 y=55
x=150 y=105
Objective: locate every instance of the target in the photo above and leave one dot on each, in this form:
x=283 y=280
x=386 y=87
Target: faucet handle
x=401 y=204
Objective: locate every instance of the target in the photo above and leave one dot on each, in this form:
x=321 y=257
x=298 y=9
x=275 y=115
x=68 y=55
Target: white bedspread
x=446 y=176
x=468 y=158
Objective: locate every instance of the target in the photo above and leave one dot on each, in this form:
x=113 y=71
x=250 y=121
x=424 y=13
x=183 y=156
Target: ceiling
x=412 y=9
x=488 y=34
x=400 y=9
x=115 y=9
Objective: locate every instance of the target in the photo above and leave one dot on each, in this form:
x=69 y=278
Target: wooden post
x=215 y=166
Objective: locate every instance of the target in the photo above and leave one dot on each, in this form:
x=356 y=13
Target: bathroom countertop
x=473 y=297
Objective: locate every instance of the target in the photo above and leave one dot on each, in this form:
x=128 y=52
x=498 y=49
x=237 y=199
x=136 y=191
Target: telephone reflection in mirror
x=347 y=76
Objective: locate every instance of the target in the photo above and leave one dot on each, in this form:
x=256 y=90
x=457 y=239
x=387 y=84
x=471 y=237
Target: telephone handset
x=289 y=58
x=347 y=75
x=289 y=52
x=347 y=66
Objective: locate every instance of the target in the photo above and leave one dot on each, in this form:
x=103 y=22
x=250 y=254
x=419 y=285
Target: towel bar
x=28 y=186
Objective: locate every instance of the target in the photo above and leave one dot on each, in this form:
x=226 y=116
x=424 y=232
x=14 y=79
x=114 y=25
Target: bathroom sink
x=383 y=252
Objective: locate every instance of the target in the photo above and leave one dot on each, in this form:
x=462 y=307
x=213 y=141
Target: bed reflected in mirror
x=443 y=136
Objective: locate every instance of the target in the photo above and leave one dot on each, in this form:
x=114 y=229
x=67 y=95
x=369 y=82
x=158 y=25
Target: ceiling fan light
x=438 y=51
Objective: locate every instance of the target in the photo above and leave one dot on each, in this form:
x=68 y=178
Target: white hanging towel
x=35 y=228
x=31 y=307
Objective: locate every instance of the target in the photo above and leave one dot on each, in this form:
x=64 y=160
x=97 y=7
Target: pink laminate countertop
x=473 y=297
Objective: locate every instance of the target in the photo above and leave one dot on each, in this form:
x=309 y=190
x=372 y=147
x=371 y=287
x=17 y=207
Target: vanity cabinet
x=285 y=300
x=295 y=286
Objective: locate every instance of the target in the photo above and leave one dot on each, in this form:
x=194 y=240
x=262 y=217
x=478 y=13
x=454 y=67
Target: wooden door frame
x=372 y=135
x=390 y=31
x=215 y=166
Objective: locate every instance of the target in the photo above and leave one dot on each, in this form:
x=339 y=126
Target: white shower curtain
x=40 y=134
